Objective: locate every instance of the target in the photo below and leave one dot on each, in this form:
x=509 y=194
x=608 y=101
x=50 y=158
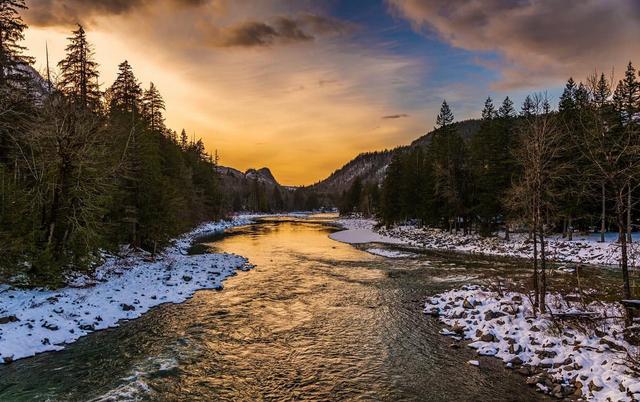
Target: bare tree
x=534 y=194
x=613 y=152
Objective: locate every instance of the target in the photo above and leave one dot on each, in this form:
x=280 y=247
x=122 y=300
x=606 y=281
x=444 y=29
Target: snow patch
x=559 y=359
x=123 y=288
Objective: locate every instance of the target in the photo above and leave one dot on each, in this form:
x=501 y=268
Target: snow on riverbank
x=359 y=231
x=35 y=321
x=585 y=250
x=558 y=359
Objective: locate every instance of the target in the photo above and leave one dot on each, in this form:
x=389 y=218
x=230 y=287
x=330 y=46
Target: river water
x=315 y=320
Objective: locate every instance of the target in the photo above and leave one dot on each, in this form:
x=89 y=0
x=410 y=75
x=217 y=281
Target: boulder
x=8 y=319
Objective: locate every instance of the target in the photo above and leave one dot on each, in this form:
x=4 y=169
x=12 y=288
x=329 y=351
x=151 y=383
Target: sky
x=303 y=86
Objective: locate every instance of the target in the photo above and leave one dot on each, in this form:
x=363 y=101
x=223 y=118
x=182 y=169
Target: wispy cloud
x=395 y=116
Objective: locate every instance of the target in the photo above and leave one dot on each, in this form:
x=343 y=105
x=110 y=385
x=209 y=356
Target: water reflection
x=315 y=320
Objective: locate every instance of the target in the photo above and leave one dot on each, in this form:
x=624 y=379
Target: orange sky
x=303 y=86
x=301 y=109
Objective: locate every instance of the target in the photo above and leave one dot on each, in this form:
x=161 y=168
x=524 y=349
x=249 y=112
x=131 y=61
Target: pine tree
x=79 y=72
x=489 y=112
x=153 y=105
x=448 y=155
x=568 y=97
x=572 y=189
x=627 y=96
x=445 y=117
x=601 y=92
x=527 y=107
x=184 y=139
x=493 y=168
x=125 y=92
x=12 y=59
x=506 y=110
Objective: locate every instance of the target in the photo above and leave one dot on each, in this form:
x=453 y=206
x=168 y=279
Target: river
x=315 y=320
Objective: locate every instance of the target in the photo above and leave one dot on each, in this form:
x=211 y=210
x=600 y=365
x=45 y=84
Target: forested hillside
x=85 y=168
x=537 y=169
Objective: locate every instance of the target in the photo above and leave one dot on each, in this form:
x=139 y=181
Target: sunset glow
x=302 y=86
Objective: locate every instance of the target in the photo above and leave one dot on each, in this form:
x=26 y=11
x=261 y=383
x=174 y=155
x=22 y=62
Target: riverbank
x=123 y=288
x=581 y=250
x=573 y=359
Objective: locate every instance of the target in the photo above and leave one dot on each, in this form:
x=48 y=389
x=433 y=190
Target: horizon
x=303 y=88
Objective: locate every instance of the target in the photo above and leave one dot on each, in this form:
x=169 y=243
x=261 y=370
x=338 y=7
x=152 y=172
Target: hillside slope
x=371 y=166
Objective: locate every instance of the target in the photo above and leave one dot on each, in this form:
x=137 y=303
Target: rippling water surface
x=315 y=320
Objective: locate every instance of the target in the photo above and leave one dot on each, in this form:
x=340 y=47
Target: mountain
x=371 y=166
x=234 y=179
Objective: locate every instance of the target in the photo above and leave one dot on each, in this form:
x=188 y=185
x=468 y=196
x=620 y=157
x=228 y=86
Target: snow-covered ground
x=123 y=288
x=359 y=231
x=583 y=249
x=589 y=361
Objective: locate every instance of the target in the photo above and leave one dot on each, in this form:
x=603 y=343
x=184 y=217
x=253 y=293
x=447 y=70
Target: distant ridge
x=371 y=166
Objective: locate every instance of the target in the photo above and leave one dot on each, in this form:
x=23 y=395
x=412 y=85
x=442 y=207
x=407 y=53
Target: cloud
x=312 y=104
x=540 y=41
x=282 y=30
x=217 y=23
x=71 y=12
x=395 y=116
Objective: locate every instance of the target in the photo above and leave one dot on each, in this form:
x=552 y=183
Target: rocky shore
x=571 y=353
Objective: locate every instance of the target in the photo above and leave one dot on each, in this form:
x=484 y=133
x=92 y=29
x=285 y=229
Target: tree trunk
x=543 y=273
x=536 y=292
x=629 y=239
x=603 y=215
x=570 y=228
x=624 y=261
x=506 y=232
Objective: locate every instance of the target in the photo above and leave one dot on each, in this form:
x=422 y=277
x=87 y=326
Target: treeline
x=82 y=169
x=537 y=170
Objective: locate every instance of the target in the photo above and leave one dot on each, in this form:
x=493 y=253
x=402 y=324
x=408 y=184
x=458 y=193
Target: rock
x=487 y=338
x=186 y=278
x=594 y=388
x=534 y=328
x=88 y=327
x=514 y=349
x=568 y=390
x=547 y=354
x=490 y=315
x=8 y=319
x=454 y=346
x=127 y=307
x=612 y=345
x=466 y=304
x=50 y=326
x=516 y=361
x=7 y=359
x=517 y=299
x=525 y=370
